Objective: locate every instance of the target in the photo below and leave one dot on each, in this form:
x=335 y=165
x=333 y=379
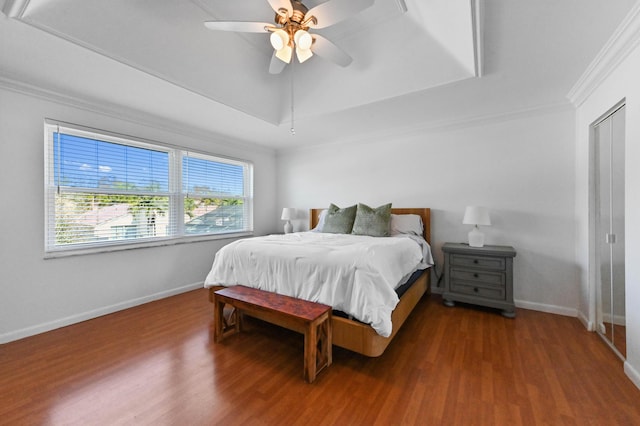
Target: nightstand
x=480 y=276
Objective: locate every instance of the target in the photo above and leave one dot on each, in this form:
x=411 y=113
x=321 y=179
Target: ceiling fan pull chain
x=293 y=129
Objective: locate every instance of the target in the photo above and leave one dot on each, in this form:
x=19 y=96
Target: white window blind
x=108 y=190
x=215 y=195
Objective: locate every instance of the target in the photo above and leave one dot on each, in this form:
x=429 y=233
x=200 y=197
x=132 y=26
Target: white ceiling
x=410 y=70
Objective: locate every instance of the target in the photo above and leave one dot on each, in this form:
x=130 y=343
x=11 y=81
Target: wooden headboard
x=424 y=213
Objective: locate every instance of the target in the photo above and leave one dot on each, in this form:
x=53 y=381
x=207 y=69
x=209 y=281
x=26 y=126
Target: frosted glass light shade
x=303 y=54
x=303 y=42
x=279 y=39
x=303 y=39
x=285 y=54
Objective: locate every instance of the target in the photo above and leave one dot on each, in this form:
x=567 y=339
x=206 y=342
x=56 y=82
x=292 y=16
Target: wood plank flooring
x=157 y=364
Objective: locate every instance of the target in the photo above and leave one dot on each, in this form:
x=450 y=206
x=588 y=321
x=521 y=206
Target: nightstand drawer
x=496 y=293
x=486 y=262
x=480 y=277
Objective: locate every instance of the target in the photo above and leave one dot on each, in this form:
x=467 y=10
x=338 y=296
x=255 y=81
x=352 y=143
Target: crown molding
x=496 y=118
x=623 y=41
x=15 y=8
x=440 y=126
x=402 y=5
x=130 y=115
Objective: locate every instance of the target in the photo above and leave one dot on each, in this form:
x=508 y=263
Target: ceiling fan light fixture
x=303 y=54
x=303 y=39
x=284 y=54
x=279 y=39
x=292 y=21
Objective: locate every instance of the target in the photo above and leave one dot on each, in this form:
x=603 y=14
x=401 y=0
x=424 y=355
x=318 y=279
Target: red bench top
x=277 y=302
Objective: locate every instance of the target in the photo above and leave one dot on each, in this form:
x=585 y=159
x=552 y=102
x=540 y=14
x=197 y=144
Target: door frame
x=593 y=242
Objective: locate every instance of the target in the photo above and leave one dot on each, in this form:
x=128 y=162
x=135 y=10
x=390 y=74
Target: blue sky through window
x=90 y=163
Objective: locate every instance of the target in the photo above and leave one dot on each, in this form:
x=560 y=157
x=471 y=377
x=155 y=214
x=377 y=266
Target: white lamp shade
x=287 y=213
x=476 y=215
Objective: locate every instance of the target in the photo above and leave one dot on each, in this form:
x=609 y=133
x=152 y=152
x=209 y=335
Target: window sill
x=58 y=253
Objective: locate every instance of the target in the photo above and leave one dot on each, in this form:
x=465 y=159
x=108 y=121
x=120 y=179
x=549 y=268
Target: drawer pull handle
x=475 y=261
x=475 y=275
x=475 y=289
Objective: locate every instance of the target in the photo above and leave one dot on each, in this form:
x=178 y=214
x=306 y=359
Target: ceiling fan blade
x=276 y=5
x=334 y=11
x=276 y=66
x=239 y=26
x=327 y=50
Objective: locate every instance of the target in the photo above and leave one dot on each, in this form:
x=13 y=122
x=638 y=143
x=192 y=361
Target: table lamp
x=287 y=214
x=475 y=215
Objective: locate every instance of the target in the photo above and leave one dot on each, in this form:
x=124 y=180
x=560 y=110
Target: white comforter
x=353 y=274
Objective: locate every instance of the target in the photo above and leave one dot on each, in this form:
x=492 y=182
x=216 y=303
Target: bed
x=349 y=333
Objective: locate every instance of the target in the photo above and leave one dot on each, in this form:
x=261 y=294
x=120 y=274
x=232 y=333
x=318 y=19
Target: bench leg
x=317 y=347
x=222 y=326
x=310 y=352
x=218 y=319
x=325 y=357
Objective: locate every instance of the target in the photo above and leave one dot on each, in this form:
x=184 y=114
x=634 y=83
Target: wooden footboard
x=363 y=339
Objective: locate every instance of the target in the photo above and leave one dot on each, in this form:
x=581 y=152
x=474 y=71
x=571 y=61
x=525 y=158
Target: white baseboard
x=63 y=322
x=552 y=309
x=632 y=374
x=616 y=319
x=589 y=325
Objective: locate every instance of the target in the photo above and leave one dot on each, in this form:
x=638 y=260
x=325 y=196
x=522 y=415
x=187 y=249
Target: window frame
x=176 y=193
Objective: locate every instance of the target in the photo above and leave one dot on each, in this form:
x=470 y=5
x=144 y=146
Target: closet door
x=609 y=228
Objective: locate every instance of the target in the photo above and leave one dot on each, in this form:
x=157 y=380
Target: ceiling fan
x=290 y=32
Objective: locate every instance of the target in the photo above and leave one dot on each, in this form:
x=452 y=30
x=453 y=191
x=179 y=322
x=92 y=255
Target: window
x=105 y=190
x=213 y=195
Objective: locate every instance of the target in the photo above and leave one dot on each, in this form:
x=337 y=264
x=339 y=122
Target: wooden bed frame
x=361 y=338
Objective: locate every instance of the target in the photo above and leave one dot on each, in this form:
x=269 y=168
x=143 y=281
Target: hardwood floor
x=157 y=364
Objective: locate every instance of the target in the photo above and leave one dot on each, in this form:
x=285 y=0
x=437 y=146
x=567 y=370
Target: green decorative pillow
x=372 y=222
x=339 y=221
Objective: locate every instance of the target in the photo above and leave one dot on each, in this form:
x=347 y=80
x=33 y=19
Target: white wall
x=37 y=294
x=621 y=81
x=522 y=168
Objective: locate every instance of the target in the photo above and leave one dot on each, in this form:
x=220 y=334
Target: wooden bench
x=311 y=319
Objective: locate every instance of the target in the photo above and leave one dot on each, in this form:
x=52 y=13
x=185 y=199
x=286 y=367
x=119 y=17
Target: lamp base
x=476 y=238
x=288 y=227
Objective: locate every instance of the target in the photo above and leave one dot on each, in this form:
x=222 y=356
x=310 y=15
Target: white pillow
x=405 y=224
x=321 y=219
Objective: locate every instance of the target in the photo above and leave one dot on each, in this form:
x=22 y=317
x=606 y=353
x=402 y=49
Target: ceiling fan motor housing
x=297 y=20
